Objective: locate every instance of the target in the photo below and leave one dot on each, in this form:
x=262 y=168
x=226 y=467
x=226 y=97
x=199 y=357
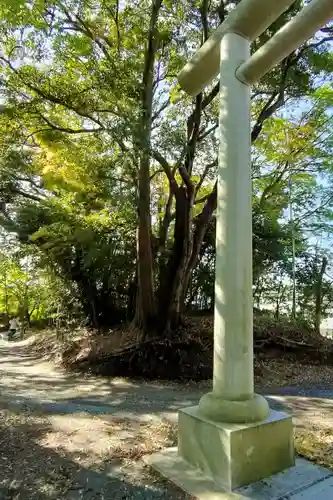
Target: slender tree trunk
x=319 y=294
x=181 y=278
x=201 y=227
x=145 y=316
x=6 y=297
x=26 y=314
x=277 y=303
x=27 y=318
x=257 y=293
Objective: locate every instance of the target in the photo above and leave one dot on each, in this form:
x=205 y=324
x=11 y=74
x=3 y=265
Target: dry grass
x=80 y=343
x=315 y=444
x=91 y=441
x=54 y=451
x=271 y=370
x=147 y=440
x=272 y=373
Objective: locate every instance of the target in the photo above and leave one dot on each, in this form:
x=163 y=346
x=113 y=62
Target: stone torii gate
x=232 y=436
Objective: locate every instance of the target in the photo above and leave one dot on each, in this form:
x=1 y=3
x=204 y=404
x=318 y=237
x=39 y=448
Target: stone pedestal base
x=234 y=455
x=306 y=481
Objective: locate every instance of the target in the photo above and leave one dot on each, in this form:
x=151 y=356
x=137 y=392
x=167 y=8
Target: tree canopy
x=108 y=170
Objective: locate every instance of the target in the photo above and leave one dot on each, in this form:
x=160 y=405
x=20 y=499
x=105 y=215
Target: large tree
x=93 y=121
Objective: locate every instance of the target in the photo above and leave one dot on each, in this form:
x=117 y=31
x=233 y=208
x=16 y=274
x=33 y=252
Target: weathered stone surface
x=305 y=481
x=234 y=455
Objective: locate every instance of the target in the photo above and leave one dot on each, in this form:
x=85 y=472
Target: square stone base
x=233 y=455
x=306 y=481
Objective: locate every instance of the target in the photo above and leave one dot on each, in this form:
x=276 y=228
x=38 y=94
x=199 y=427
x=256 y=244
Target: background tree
x=115 y=189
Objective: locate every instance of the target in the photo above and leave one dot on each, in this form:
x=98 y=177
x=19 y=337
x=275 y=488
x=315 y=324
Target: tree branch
x=162 y=108
x=29 y=196
x=203 y=176
x=166 y=221
x=275 y=102
x=204 y=19
x=84 y=28
x=186 y=177
x=167 y=169
x=159 y=171
x=274 y=183
x=207 y=132
x=68 y=130
x=52 y=98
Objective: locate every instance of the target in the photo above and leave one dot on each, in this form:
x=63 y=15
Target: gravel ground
x=69 y=437
x=77 y=458
x=56 y=448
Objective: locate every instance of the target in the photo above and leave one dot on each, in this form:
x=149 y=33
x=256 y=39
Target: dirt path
x=68 y=437
x=79 y=437
x=26 y=379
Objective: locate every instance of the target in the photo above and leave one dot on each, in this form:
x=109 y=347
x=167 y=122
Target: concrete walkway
x=28 y=382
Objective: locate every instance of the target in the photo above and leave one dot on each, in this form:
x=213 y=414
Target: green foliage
x=72 y=79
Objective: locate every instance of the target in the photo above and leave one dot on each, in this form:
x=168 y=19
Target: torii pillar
x=232 y=436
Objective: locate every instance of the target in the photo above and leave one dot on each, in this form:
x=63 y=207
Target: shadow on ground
x=33 y=395
x=27 y=381
x=31 y=470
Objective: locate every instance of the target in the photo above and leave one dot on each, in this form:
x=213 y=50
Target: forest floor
x=285 y=353
x=68 y=436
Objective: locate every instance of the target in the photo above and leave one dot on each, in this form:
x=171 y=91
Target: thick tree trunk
x=172 y=274
x=188 y=239
x=175 y=271
x=145 y=315
x=184 y=249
